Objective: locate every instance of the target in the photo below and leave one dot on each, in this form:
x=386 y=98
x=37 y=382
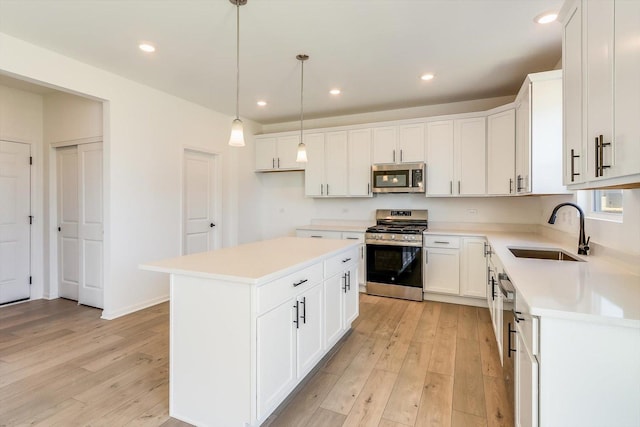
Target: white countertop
x=253 y=263
x=594 y=290
x=325 y=227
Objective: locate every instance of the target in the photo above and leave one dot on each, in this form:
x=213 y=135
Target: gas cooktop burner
x=399 y=229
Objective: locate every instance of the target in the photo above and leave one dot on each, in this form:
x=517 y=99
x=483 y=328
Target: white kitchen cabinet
x=602 y=138
x=359 y=160
x=456 y=157
x=341 y=296
x=398 y=144
x=573 y=164
x=411 y=143
x=277 y=153
x=501 y=156
x=442 y=264
x=440 y=158
x=469 y=141
x=276 y=356
x=473 y=267
x=526 y=394
x=339 y=164
x=327 y=168
x=309 y=325
x=539 y=134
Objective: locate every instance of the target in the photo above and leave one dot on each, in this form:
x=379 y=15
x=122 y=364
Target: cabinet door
x=473 y=273
x=501 y=152
x=336 y=168
x=526 y=372
x=384 y=144
x=360 y=162
x=309 y=340
x=523 y=143
x=599 y=79
x=351 y=306
x=498 y=306
x=626 y=141
x=411 y=143
x=288 y=151
x=314 y=184
x=440 y=158
x=573 y=169
x=470 y=153
x=276 y=364
x=333 y=310
x=266 y=153
x=442 y=270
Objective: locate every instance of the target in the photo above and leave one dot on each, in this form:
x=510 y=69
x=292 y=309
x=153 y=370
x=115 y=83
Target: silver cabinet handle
x=400 y=156
x=458 y=187
x=368 y=188
x=426 y=256
x=327 y=189
x=319 y=237
x=273 y=163
x=450 y=187
x=510 y=185
x=394 y=156
x=442 y=242
x=278 y=162
x=321 y=189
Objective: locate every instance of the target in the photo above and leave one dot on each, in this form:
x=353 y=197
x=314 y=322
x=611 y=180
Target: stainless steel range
x=394 y=253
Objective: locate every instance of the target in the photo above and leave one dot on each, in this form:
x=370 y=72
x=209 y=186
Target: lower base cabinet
x=526 y=382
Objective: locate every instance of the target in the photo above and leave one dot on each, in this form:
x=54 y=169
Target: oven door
x=394 y=265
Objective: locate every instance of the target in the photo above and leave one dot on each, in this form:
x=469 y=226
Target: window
x=607 y=202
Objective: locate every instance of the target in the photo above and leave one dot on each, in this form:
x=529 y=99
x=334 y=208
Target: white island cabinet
x=248 y=323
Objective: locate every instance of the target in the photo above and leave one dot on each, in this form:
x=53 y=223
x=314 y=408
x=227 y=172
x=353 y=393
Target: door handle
x=212 y=225
x=297 y=321
x=304 y=310
x=511 y=331
x=510 y=185
x=400 y=156
x=344 y=277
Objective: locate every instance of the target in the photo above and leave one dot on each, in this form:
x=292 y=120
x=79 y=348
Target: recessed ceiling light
x=427 y=76
x=334 y=91
x=261 y=103
x=546 y=17
x=146 y=47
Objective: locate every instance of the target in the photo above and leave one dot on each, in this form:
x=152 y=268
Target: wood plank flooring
x=404 y=364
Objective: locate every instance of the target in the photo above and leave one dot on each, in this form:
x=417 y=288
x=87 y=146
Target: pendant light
x=237 y=133
x=302 y=149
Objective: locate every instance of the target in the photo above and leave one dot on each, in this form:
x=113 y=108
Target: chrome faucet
x=583 y=244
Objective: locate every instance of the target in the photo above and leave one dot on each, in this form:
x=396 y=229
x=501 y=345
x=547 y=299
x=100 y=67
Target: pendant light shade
x=302 y=149
x=237 y=133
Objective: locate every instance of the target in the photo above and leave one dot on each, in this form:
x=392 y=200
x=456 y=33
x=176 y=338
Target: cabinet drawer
x=431 y=241
x=353 y=236
x=319 y=234
x=339 y=262
x=274 y=293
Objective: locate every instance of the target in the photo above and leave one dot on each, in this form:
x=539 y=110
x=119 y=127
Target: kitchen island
x=248 y=323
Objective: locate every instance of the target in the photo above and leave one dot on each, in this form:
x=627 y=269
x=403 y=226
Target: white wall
x=620 y=236
x=145 y=132
x=21 y=120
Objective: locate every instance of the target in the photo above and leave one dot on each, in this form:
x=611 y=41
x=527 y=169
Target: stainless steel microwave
x=402 y=178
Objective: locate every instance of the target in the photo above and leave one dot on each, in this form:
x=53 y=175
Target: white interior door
x=15 y=233
x=199 y=202
x=90 y=225
x=68 y=212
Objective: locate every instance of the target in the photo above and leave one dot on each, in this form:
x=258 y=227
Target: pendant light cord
x=238 y=59
x=301 y=98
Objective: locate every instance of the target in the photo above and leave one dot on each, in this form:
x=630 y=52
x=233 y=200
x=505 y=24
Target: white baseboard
x=113 y=314
x=453 y=299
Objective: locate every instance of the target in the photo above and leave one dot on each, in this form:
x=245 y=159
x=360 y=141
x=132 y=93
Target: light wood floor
x=404 y=364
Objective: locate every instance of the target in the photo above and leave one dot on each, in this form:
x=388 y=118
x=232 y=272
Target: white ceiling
x=374 y=50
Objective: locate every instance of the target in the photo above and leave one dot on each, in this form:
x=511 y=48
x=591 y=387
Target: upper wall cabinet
x=398 y=144
x=277 y=153
x=601 y=93
x=501 y=153
x=456 y=157
x=539 y=134
x=339 y=164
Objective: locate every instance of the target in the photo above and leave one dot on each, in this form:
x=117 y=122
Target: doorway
x=200 y=200
x=79 y=184
x=15 y=222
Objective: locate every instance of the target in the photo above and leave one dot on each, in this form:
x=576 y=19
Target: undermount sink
x=552 y=254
